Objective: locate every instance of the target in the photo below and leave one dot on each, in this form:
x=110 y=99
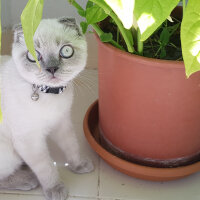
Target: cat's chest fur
x=19 y=109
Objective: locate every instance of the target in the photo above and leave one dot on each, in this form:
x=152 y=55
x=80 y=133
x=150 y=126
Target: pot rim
x=141 y=59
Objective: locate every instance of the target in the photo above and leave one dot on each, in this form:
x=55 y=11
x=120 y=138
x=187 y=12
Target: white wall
x=5 y=14
x=11 y=10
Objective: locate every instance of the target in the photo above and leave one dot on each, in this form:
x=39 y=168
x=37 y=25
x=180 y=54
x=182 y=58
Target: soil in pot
x=163 y=44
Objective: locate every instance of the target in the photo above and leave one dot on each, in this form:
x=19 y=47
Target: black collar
x=52 y=90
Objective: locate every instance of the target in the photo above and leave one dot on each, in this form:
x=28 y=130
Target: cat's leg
x=22 y=179
x=12 y=175
x=32 y=147
x=67 y=140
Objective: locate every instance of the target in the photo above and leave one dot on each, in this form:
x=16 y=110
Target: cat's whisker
x=40 y=77
x=66 y=71
x=77 y=88
x=71 y=86
x=80 y=84
x=87 y=80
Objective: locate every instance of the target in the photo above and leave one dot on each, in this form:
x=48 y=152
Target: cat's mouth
x=54 y=79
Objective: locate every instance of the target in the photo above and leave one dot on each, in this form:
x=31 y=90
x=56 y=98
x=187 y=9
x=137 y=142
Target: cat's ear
x=70 y=22
x=67 y=21
x=18 y=32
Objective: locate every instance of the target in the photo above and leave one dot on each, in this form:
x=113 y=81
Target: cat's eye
x=66 y=51
x=30 y=57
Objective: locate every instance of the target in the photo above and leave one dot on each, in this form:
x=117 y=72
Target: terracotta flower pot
x=91 y=130
x=149 y=112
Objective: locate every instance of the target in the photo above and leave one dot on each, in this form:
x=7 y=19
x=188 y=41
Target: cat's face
x=61 y=50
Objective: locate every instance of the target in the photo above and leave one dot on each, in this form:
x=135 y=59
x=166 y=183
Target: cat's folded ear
x=67 y=21
x=70 y=22
x=18 y=32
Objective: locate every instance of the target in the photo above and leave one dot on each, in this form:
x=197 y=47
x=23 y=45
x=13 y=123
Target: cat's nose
x=52 y=70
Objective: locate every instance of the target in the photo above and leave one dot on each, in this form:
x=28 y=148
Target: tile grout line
x=83 y=197
x=99 y=179
x=41 y=195
x=22 y=194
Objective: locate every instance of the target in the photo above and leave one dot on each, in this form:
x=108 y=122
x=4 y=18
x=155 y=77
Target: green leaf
x=164 y=37
x=89 y=4
x=95 y=14
x=150 y=14
x=30 y=19
x=115 y=3
x=82 y=13
x=190 y=37
x=84 y=27
x=106 y=37
x=120 y=26
x=124 y=10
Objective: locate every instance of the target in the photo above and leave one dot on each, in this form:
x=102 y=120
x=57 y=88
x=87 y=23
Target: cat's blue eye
x=66 y=51
x=30 y=57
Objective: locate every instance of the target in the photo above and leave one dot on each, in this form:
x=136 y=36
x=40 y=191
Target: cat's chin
x=54 y=82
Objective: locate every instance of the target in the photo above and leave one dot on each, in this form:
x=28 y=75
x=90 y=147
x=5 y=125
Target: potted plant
x=148 y=109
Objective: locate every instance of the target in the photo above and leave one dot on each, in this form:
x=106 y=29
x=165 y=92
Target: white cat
x=36 y=102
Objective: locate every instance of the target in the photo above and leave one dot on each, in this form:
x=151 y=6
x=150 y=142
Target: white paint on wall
x=5 y=14
x=12 y=9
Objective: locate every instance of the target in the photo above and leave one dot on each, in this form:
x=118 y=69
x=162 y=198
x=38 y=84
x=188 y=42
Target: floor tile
x=82 y=198
x=115 y=185
x=36 y=197
x=106 y=198
x=20 y=197
x=84 y=185
x=37 y=191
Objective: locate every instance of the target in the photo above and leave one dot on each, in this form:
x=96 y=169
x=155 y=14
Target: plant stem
x=76 y=5
x=117 y=35
x=139 y=43
x=158 y=51
x=181 y=58
x=173 y=45
x=152 y=47
x=134 y=34
x=109 y=11
x=95 y=26
x=100 y=32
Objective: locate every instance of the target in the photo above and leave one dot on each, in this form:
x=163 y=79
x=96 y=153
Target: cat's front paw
x=58 y=192
x=84 y=166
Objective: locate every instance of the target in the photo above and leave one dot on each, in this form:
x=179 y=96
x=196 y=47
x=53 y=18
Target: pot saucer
x=135 y=170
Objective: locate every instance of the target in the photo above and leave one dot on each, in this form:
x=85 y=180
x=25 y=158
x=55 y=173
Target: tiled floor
x=106 y=183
